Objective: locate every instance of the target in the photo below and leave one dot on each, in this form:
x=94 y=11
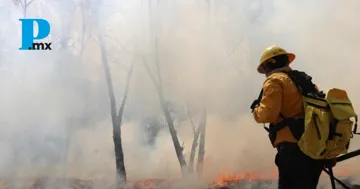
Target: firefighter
x=281 y=99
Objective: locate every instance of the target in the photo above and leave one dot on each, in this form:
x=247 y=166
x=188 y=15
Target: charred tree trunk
x=194 y=145
x=173 y=133
x=193 y=150
x=119 y=154
x=116 y=117
x=202 y=126
x=169 y=120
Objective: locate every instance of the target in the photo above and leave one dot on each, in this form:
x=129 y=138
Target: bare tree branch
x=234 y=49
x=127 y=86
x=193 y=149
x=108 y=78
x=125 y=68
x=22 y=5
x=90 y=34
x=190 y=118
x=122 y=65
x=202 y=126
x=157 y=63
x=29 y=2
x=16 y=2
x=85 y=7
x=152 y=77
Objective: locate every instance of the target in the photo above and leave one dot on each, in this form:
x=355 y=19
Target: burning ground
x=225 y=180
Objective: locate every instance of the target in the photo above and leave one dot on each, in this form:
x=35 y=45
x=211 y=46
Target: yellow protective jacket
x=280 y=95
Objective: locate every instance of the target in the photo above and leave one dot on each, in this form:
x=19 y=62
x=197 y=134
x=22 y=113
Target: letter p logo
x=28 y=33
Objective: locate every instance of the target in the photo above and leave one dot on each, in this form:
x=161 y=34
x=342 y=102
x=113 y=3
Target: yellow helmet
x=271 y=52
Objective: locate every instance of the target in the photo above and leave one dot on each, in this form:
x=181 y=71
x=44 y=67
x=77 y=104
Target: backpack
x=327 y=128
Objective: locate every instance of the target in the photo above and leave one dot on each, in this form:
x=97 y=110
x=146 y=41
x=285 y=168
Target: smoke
x=54 y=111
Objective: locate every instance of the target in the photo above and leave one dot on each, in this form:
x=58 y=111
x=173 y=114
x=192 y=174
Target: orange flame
x=224 y=179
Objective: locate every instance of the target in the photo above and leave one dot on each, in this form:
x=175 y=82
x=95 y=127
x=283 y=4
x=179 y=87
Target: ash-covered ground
x=47 y=183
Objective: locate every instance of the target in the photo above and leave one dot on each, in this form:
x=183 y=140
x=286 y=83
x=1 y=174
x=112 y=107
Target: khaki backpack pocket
x=340 y=143
x=313 y=140
x=340 y=104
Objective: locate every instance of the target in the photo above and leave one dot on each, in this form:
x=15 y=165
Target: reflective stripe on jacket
x=280 y=95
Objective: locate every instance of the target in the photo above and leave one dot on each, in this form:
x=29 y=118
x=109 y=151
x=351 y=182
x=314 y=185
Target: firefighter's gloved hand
x=330 y=163
x=254 y=105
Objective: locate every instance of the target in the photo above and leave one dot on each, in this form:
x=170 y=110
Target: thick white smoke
x=55 y=115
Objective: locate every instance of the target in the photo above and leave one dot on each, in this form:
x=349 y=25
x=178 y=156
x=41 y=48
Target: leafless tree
x=158 y=83
x=164 y=106
x=24 y=5
x=196 y=132
x=202 y=128
x=199 y=132
x=116 y=116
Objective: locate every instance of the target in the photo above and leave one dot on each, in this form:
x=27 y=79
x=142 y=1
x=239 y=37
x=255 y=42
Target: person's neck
x=276 y=70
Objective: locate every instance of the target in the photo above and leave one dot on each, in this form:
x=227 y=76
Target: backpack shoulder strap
x=304 y=84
